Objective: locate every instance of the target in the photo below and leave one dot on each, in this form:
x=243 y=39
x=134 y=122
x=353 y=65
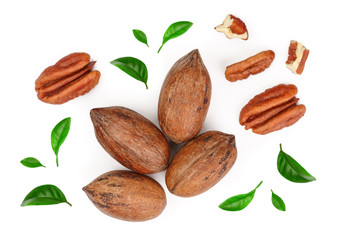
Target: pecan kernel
x=298 y=55
x=69 y=78
x=250 y=66
x=233 y=27
x=272 y=110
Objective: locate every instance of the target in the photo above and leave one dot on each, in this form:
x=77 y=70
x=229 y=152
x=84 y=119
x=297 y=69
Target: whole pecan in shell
x=184 y=98
x=201 y=163
x=250 y=66
x=272 y=110
x=127 y=195
x=69 y=78
x=131 y=139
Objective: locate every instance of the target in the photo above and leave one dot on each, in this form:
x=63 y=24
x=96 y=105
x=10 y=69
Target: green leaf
x=45 y=195
x=59 y=134
x=141 y=36
x=291 y=169
x=134 y=67
x=238 y=202
x=31 y=162
x=278 y=202
x=175 y=30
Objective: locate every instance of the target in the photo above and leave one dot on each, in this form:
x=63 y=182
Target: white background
x=35 y=34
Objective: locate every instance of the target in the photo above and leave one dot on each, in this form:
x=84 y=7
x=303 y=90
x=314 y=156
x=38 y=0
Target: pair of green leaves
x=173 y=31
x=58 y=136
x=135 y=67
x=44 y=195
x=241 y=201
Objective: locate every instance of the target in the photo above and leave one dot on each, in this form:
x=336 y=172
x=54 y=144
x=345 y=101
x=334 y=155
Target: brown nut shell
x=184 y=98
x=201 y=163
x=250 y=66
x=70 y=77
x=272 y=110
x=131 y=139
x=127 y=195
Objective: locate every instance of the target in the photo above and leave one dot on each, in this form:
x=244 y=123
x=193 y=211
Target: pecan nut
x=272 y=110
x=69 y=78
x=252 y=65
x=298 y=55
x=233 y=27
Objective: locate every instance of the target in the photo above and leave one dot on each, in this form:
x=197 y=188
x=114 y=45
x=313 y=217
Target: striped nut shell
x=272 y=110
x=201 y=163
x=69 y=78
x=127 y=195
x=131 y=139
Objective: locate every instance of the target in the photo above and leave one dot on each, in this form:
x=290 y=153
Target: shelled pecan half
x=252 y=65
x=69 y=78
x=298 y=55
x=272 y=110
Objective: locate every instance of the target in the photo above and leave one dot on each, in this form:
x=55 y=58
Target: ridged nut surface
x=131 y=139
x=184 y=98
x=127 y=195
x=201 y=163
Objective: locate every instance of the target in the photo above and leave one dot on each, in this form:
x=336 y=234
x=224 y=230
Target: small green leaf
x=31 y=162
x=45 y=195
x=175 y=30
x=278 y=202
x=238 y=202
x=291 y=169
x=141 y=36
x=59 y=134
x=133 y=67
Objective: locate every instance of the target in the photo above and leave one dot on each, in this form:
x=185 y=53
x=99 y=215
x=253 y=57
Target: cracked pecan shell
x=69 y=78
x=298 y=55
x=201 y=163
x=127 y=195
x=272 y=110
x=250 y=66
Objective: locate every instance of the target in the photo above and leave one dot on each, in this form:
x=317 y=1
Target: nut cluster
x=139 y=145
x=272 y=110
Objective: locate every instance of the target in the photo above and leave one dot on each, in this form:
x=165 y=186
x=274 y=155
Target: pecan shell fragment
x=272 y=110
x=250 y=66
x=233 y=27
x=69 y=78
x=298 y=55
